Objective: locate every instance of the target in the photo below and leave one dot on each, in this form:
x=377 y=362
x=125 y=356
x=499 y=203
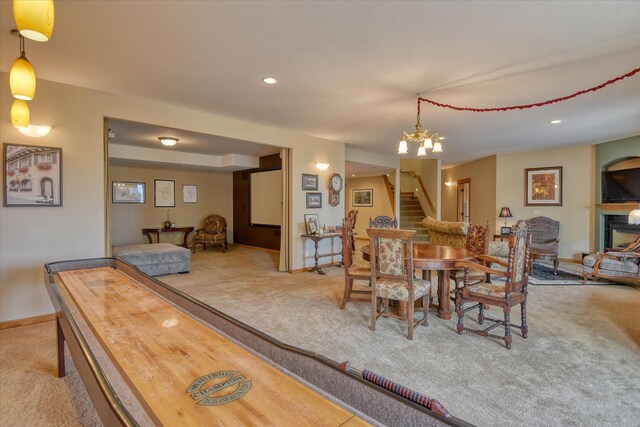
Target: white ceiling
x=349 y=71
x=362 y=170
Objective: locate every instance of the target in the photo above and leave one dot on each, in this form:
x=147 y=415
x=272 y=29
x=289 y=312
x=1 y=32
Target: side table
x=316 y=256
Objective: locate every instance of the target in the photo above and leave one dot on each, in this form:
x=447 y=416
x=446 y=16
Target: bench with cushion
x=155 y=259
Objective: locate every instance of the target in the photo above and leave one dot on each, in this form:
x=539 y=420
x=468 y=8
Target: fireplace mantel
x=617 y=206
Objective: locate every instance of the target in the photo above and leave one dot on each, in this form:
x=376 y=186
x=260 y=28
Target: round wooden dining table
x=428 y=257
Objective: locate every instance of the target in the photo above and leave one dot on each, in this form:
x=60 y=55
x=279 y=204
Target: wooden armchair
x=477 y=242
x=621 y=266
x=446 y=233
x=392 y=276
x=505 y=295
x=213 y=232
x=545 y=239
x=351 y=218
x=352 y=271
x=383 y=221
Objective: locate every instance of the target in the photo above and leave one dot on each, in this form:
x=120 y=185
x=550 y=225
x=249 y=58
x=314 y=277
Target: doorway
x=464 y=200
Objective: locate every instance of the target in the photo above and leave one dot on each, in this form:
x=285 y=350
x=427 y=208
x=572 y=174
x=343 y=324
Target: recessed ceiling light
x=555 y=122
x=168 y=140
x=269 y=80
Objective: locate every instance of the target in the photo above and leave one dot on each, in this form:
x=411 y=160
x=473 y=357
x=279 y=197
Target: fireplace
x=618 y=231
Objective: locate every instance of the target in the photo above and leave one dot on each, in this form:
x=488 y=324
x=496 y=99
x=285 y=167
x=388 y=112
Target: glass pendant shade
x=20 y=114
x=22 y=79
x=437 y=147
x=422 y=151
x=428 y=143
x=34 y=18
x=402 y=148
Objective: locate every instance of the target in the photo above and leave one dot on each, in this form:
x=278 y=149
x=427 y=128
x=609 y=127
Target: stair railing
x=390 y=190
x=422 y=187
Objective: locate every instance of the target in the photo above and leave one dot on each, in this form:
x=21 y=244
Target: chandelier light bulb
x=22 y=79
x=422 y=151
x=437 y=147
x=20 y=114
x=34 y=18
x=402 y=148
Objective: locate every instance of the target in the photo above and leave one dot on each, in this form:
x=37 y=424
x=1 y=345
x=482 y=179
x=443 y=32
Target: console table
x=151 y=231
x=316 y=256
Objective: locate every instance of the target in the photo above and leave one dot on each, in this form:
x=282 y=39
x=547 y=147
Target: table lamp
x=505 y=213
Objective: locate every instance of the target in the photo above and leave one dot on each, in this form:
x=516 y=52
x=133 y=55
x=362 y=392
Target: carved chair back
x=347 y=239
x=383 y=221
x=518 y=261
x=478 y=239
x=393 y=251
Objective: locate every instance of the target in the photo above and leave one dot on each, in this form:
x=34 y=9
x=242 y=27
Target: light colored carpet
x=579 y=366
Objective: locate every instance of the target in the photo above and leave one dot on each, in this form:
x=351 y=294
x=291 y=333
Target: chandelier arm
x=537 y=104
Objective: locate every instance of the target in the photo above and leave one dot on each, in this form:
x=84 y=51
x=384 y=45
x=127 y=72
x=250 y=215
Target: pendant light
x=22 y=78
x=34 y=18
x=20 y=114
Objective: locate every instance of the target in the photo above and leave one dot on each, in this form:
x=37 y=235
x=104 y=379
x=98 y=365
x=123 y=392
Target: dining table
x=442 y=259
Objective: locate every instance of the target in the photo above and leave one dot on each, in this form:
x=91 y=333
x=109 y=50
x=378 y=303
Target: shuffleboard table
x=149 y=354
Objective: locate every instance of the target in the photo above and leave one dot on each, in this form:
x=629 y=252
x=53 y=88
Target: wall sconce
x=449 y=183
x=168 y=140
x=322 y=166
x=35 y=131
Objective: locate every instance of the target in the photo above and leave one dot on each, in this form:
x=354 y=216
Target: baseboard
x=27 y=321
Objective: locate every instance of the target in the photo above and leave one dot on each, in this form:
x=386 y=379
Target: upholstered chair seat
x=399 y=289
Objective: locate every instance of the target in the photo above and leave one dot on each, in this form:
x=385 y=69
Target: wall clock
x=335 y=187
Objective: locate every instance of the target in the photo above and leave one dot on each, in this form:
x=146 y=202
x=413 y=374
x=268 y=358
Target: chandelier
x=423 y=138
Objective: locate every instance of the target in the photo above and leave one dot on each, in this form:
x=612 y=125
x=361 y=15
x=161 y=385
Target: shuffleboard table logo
x=219 y=388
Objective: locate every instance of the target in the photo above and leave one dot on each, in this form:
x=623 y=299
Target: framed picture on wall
x=309 y=182
x=127 y=192
x=543 y=186
x=314 y=200
x=362 y=198
x=311 y=223
x=33 y=175
x=189 y=193
x=164 y=193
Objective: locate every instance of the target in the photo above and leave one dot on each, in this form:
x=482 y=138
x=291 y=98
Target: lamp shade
x=634 y=216
x=20 y=113
x=22 y=79
x=505 y=212
x=34 y=18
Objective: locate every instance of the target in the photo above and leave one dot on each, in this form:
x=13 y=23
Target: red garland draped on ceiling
x=537 y=104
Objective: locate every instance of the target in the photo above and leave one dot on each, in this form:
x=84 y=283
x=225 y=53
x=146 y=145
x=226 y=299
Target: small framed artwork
x=505 y=231
x=311 y=223
x=543 y=186
x=33 y=175
x=189 y=193
x=362 y=198
x=127 y=192
x=309 y=182
x=314 y=200
x=164 y=193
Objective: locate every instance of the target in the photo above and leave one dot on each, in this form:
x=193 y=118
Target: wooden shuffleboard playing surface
x=183 y=372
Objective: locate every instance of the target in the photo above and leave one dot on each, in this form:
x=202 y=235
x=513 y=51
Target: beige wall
x=482 y=173
x=31 y=237
x=381 y=203
x=577 y=193
x=215 y=195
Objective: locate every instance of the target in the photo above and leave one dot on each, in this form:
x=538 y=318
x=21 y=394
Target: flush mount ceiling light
x=269 y=80
x=34 y=18
x=19 y=114
x=423 y=138
x=22 y=78
x=35 y=131
x=322 y=166
x=555 y=122
x=169 y=141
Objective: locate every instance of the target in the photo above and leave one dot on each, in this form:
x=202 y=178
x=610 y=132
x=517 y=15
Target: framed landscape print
x=189 y=193
x=309 y=182
x=543 y=186
x=32 y=175
x=164 y=193
x=362 y=198
x=127 y=192
x=314 y=200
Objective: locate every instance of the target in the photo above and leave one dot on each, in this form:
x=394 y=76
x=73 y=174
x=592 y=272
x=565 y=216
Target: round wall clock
x=335 y=186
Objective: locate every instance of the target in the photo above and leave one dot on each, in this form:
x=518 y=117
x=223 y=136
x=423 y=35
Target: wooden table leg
x=60 y=338
x=444 y=306
x=316 y=257
x=185 y=235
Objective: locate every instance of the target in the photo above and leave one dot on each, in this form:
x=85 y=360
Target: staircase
x=411 y=216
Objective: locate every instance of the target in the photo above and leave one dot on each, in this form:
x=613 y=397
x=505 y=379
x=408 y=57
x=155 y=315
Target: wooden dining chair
x=478 y=243
x=383 y=221
x=513 y=291
x=353 y=271
x=351 y=218
x=392 y=276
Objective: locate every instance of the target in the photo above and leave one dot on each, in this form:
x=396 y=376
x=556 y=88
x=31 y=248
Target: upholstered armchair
x=545 y=239
x=621 y=266
x=213 y=232
x=446 y=233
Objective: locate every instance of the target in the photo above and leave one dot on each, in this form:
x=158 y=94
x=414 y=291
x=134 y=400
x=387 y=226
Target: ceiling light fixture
x=34 y=18
x=35 y=131
x=269 y=80
x=322 y=166
x=555 y=122
x=423 y=138
x=19 y=113
x=169 y=141
x=22 y=78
